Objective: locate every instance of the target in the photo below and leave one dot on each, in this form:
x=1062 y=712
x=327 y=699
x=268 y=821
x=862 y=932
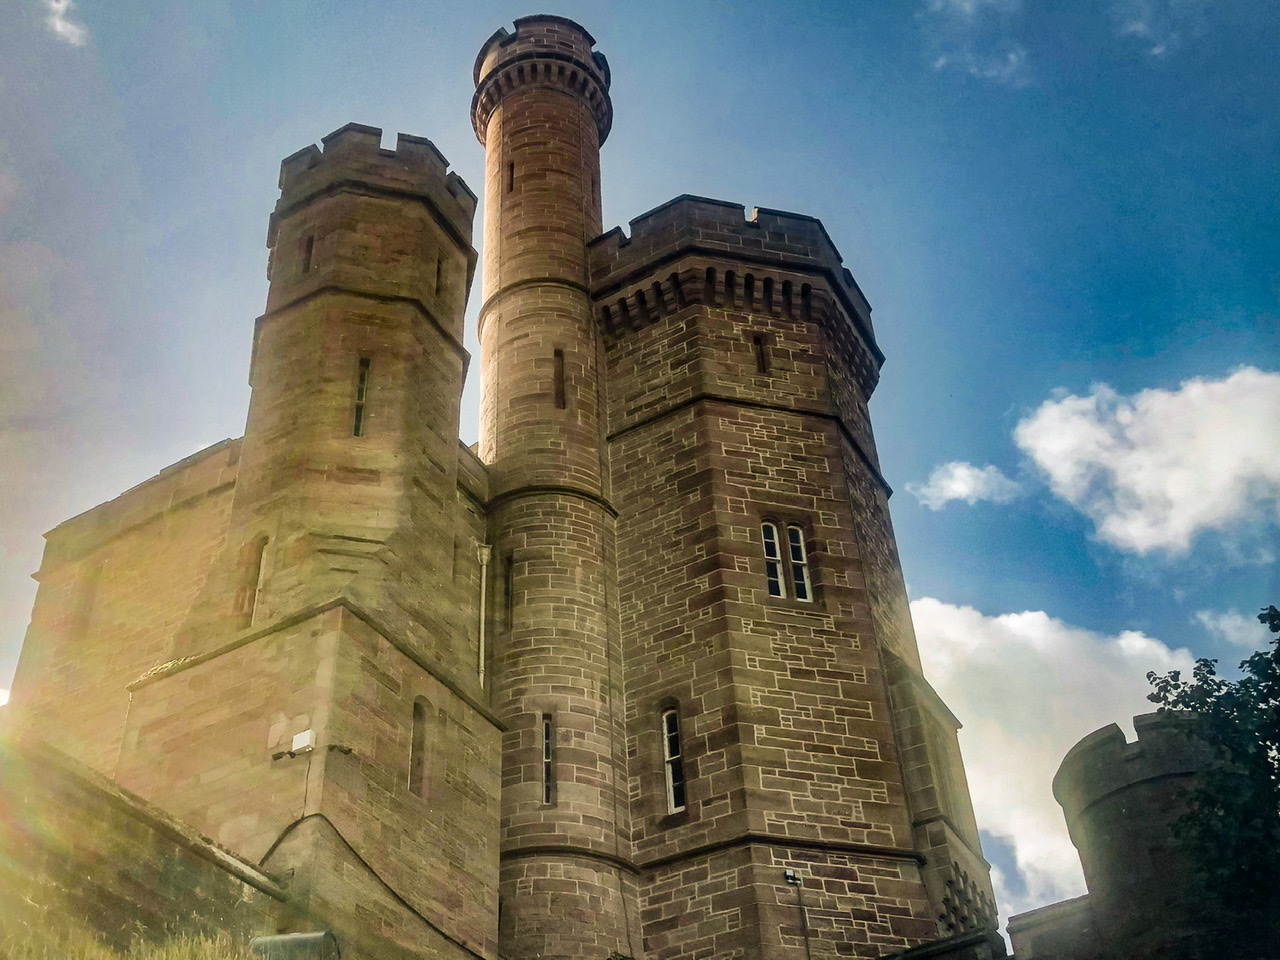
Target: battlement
x=546 y=51
x=354 y=154
x=1104 y=762
x=774 y=237
x=769 y=240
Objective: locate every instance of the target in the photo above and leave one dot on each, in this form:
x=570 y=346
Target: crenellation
x=352 y=158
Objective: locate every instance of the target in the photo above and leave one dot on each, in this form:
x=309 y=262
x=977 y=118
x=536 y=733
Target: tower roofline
x=502 y=36
x=354 y=152
x=544 y=51
x=689 y=223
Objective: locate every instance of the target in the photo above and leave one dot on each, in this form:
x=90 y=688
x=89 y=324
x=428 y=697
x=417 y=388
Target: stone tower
x=542 y=109
x=637 y=680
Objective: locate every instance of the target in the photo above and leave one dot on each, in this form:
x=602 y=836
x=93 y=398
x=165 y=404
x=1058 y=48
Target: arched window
x=799 y=563
x=772 y=559
x=673 y=760
x=786 y=562
x=418 y=749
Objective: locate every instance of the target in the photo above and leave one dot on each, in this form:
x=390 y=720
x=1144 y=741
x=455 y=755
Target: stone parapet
x=787 y=241
x=1103 y=763
x=544 y=51
x=354 y=153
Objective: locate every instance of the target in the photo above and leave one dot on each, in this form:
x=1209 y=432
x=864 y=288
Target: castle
x=634 y=678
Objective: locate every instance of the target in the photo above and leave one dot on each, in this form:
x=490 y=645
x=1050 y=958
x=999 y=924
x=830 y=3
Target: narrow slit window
x=673 y=760
x=439 y=273
x=548 y=760
x=508 y=590
x=254 y=559
x=308 y=251
x=799 y=563
x=86 y=599
x=558 y=386
x=362 y=393
x=761 y=352
x=418 y=750
x=511 y=177
x=772 y=559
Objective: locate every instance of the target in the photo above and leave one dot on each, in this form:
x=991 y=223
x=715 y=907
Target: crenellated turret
x=542 y=110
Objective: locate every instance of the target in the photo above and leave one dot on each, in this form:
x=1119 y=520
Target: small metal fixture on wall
x=316 y=945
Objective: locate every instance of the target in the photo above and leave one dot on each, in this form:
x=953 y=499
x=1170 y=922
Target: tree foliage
x=1232 y=827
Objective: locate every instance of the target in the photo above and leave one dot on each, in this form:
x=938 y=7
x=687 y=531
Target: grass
x=75 y=944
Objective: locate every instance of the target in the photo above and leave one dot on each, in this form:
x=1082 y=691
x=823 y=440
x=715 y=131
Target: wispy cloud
x=1156 y=469
x=1160 y=25
x=976 y=37
x=1027 y=687
x=1233 y=627
x=959 y=480
x=63 y=27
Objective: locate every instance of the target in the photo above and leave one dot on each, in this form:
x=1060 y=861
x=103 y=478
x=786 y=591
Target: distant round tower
x=542 y=110
x=1122 y=801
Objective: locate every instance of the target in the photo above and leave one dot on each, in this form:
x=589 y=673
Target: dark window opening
x=508 y=589
x=558 y=385
x=418 y=750
x=362 y=394
x=548 y=760
x=761 y=352
x=511 y=177
x=439 y=272
x=308 y=250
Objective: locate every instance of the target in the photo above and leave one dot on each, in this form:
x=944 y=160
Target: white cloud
x=1156 y=469
x=1233 y=627
x=975 y=36
x=63 y=27
x=1027 y=687
x=958 y=480
x=1160 y=25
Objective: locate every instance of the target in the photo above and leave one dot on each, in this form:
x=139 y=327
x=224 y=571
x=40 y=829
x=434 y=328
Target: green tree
x=1232 y=826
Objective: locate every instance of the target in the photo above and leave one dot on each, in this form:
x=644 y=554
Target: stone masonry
x=635 y=678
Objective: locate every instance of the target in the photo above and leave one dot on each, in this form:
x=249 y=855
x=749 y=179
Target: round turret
x=542 y=110
x=1121 y=802
x=546 y=51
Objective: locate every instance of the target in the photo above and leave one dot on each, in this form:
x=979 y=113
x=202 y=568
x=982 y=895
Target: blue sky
x=1064 y=215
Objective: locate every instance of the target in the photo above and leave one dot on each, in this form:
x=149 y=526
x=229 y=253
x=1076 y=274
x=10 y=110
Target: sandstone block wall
x=116 y=583
x=226 y=767
x=78 y=855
